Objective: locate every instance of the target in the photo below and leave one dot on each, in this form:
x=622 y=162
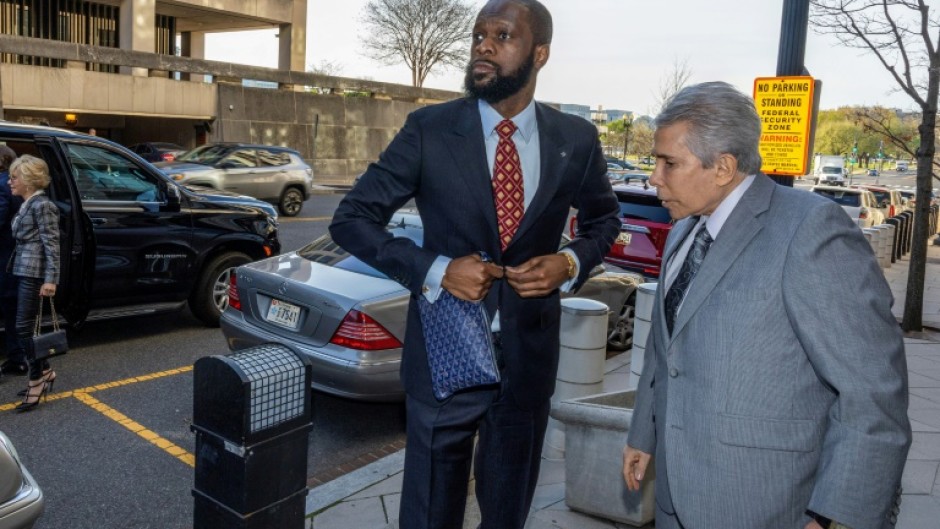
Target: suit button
x=673 y=372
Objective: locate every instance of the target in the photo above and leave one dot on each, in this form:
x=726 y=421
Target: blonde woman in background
x=35 y=262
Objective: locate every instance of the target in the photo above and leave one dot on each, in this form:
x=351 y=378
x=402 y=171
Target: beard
x=500 y=86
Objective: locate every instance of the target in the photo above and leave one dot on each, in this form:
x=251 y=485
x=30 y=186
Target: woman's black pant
x=26 y=311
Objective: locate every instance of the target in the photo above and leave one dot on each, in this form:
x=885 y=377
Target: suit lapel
x=554 y=152
x=742 y=225
x=465 y=142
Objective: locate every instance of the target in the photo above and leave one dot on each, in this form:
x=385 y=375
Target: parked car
x=21 y=499
x=276 y=174
x=157 y=151
x=629 y=178
x=888 y=201
x=911 y=196
x=134 y=241
x=645 y=224
x=621 y=164
x=859 y=204
x=350 y=319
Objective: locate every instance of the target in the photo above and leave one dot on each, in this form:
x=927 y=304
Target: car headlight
x=177 y=176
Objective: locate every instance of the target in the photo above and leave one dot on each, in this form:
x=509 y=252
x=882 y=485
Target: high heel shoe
x=48 y=376
x=34 y=393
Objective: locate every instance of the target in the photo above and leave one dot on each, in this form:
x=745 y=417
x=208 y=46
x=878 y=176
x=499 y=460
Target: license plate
x=624 y=238
x=283 y=313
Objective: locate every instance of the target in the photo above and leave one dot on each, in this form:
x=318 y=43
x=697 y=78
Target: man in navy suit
x=15 y=363
x=452 y=160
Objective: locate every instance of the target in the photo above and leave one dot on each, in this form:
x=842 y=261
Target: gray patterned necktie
x=693 y=261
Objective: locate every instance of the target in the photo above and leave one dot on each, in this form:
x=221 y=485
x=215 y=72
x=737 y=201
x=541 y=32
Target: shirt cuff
x=568 y=285
x=434 y=278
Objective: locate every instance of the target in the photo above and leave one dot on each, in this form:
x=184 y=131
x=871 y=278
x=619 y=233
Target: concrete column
x=292 y=47
x=137 y=30
x=193 y=44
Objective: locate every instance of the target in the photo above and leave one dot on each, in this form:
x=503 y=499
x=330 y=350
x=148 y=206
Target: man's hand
x=813 y=525
x=469 y=278
x=634 y=467
x=538 y=276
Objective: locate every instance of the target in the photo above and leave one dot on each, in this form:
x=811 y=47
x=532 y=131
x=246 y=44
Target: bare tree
x=904 y=36
x=424 y=34
x=326 y=67
x=672 y=82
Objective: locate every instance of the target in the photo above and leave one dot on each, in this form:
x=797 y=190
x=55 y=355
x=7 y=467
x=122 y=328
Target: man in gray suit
x=774 y=389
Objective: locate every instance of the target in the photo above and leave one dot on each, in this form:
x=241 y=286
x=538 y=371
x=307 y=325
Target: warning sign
x=785 y=106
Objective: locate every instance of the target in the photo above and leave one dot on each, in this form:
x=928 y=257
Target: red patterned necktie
x=508 y=192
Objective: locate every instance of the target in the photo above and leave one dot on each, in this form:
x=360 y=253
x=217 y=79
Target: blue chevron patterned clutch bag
x=459 y=343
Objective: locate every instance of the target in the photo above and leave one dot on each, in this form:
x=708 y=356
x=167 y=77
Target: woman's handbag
x=53 y=343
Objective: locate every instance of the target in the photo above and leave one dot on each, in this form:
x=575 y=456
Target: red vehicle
x=643 y=231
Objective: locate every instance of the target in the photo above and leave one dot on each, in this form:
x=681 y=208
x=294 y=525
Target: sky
x=610 y=53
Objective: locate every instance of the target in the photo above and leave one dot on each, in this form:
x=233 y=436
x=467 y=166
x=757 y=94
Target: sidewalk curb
x=321 y=497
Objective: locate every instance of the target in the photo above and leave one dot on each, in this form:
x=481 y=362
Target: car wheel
x=620 y=337
x=292 y=200
x=210 y=297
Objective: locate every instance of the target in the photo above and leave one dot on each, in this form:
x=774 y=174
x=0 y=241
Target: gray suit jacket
x=784 y=385
x=36 y=232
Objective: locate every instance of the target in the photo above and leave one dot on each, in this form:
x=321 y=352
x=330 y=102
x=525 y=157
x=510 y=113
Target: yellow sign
x=785 y=107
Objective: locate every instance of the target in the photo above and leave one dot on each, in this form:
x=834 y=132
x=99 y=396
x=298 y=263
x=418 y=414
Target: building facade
x=134 y=70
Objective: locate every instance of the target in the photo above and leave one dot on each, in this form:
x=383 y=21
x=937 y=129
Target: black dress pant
x=8 y=304
x=439 y=453
x=26 y=312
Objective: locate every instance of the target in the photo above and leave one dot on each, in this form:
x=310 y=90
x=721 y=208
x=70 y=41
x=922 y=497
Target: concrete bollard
x=582 y=356
x=884 y=246
x=892 y=225
x=872 y=237
x=645 y=297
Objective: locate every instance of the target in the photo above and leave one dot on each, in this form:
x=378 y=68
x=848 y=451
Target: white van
x=900 y=166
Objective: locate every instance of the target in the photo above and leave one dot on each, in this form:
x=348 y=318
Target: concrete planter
x=596 y=432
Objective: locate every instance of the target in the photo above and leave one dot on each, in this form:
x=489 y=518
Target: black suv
x=133 y=241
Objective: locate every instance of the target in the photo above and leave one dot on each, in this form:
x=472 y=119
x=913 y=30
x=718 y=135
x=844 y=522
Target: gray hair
x=721 y=120
x=32 y=171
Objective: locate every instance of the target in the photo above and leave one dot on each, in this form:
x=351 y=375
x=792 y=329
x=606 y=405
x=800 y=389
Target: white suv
x=860 y=204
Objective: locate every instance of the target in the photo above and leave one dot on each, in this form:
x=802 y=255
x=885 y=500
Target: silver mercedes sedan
x=349 y=318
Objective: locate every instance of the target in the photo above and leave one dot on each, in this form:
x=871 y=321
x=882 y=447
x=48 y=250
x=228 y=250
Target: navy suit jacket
x=439 y=160
x=9 y=205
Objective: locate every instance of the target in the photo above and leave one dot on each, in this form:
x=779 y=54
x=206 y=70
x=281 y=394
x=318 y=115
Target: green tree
x=904 y=36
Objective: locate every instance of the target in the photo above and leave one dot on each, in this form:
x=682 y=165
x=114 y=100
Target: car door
x=143 y=241
x=241 y=171
x=273 y=173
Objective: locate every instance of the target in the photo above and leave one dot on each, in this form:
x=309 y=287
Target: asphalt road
x=119 y=453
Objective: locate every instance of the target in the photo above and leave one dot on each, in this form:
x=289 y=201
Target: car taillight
x=862 y=214
x=233 y=301
x=168 y=157
x=360 y=331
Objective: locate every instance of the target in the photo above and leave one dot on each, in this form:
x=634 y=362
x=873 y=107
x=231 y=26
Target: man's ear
x=727 y=168
x=542 y=51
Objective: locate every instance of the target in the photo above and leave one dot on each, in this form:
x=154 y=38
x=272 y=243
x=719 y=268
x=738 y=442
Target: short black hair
x=540 y=19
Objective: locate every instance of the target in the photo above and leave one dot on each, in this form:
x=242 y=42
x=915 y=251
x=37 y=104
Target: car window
x=269 y=158
x=102 y=174
x=238 y=159
x=881 y=196
x=642 y=207
x=843 y=198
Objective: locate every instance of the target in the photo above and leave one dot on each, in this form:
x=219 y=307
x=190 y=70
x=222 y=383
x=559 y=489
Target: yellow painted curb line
x=83 y=396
